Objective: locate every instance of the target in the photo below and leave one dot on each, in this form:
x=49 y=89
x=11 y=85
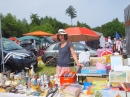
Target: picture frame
x=118 y=76
x=116 y=60
x=110 y=93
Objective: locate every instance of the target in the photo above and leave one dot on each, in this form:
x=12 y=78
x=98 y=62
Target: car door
x=78 y=49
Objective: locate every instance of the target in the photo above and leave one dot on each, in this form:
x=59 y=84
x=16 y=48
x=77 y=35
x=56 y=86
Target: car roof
x=53 y=45
x=4 y=38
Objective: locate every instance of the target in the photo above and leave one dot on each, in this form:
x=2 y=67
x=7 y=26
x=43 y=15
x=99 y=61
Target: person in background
x=119 y=46
x=114 y=46
x=102 y=42
x=109 y=42
x=121 y=40
x=33 y=47
x=106 y=45
x=66 y=49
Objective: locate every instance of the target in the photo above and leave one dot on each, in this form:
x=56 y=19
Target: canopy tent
x=38 y=33
x=76 y=34
x=100 y=34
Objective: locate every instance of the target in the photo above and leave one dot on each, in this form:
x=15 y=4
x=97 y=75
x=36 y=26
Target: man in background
x=109 y=42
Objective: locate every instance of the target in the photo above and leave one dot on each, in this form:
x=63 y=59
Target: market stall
x=108 y=83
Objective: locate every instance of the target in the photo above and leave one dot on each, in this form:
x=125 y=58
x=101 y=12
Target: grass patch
x=51 y=70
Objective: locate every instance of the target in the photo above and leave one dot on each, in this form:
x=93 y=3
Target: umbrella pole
x=2 y=56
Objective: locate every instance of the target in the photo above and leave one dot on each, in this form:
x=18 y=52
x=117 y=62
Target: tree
x=72 y=13
x=9 y=25
x=83 y=25
x=110 y=28
x=35 y=19
x=23 y=27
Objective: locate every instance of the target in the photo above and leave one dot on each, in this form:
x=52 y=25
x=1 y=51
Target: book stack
x=71 y=91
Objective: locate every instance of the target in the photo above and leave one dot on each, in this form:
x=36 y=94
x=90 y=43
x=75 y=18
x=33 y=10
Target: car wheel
x=53 y=62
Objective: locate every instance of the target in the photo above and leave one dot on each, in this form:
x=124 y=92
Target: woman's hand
x=80 y=65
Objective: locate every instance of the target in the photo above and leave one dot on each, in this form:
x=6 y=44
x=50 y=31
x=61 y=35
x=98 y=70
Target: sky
x=92 y=12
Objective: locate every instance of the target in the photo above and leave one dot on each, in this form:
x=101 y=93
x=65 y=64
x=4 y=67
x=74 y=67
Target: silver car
x=52 y=50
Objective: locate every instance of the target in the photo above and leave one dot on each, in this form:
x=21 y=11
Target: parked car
x=52 y=50
x=47 y=42
x=20 y=58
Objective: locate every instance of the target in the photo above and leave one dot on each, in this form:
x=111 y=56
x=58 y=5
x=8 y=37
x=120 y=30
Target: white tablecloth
x=15 y=95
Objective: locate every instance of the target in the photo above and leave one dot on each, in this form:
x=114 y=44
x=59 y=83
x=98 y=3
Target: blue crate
x=86 y=71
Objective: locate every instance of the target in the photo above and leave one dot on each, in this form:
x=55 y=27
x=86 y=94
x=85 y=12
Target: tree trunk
x=71 y=22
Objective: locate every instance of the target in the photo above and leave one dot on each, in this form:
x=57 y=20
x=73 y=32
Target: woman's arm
x=75 y=56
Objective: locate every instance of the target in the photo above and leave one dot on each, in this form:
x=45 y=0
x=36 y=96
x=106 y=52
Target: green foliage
x=110 y=28
x=35 y=19
x=9 y=25
x=13 y=27
x=83 y=25
x=72 y=13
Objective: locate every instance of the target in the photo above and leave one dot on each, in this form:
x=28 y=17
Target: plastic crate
x=68 y=80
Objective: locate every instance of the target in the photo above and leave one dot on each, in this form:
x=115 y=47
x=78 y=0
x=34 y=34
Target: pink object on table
x=100 y=66
x=100 y=51
x=109 y=67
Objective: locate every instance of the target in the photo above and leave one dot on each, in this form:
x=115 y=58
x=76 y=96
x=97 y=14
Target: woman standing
x=66 y=49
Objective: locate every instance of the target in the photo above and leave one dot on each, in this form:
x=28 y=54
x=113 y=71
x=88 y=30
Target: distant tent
x=100 y=34
x=95 y=44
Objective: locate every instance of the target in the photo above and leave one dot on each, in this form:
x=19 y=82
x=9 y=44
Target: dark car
x=52 y=50
x=19 y=59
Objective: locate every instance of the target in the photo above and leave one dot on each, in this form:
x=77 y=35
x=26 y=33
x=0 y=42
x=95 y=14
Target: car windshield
x=85 y=46
x=10 y=45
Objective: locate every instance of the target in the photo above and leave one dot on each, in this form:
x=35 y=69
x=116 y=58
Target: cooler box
x=69 y=80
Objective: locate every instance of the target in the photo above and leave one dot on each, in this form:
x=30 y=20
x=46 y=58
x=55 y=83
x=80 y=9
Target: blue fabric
x=64 y=55
x=117 y=35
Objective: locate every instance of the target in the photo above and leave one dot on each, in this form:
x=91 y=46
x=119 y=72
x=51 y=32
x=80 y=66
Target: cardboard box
x=91 y=79
x=94 y=60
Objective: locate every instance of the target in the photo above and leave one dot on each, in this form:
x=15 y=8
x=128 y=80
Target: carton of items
x=68 y=77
